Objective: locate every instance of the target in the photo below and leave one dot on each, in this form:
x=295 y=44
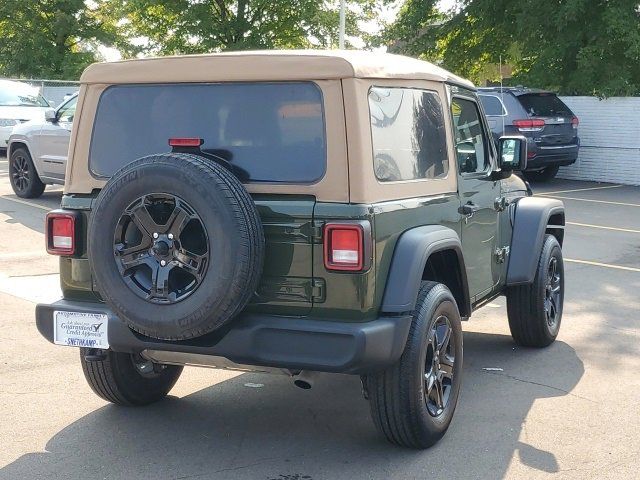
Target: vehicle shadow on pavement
x=278 y=432
x=27 y=214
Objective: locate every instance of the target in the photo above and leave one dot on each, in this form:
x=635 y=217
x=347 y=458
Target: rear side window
x=544 y=105
x=408 y=134
x=271 y=132
x=492 y=105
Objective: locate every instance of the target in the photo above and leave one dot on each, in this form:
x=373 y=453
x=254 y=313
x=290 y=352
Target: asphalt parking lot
x=569 y=411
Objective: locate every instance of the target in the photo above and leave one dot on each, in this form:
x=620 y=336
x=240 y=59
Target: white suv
x=19 y=102
x=37 y=150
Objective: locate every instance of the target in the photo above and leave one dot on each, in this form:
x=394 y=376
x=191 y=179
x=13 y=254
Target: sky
x=111 y=54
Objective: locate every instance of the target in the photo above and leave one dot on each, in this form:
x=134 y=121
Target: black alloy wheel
x=23 y=175
x=439 y=366
x=553 y=292
x=161 y=248
x=20 y=173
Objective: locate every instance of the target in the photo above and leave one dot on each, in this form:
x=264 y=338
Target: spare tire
x=176 y=245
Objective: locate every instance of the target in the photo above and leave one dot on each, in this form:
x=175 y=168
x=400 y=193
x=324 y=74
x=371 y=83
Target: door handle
x=468 y=209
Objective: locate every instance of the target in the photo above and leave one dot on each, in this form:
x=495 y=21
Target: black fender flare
x=410 y=256
x=530 y=222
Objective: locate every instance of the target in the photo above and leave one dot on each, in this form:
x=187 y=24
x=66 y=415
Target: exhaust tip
x=303 y=384
x=304 y=380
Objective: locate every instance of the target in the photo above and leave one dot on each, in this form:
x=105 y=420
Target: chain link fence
x=55 y=91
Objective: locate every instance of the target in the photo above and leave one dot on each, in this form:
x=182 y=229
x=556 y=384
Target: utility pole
x=342 y=22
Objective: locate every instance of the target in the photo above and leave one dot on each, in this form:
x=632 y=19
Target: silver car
x=37 y=150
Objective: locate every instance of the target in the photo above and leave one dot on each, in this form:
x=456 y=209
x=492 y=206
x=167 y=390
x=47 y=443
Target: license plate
x=80 y=329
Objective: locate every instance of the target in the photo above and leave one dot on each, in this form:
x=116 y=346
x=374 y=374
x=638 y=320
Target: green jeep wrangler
x=295 y=212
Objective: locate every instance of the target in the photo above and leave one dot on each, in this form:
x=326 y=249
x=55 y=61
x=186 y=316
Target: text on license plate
x=80 y=329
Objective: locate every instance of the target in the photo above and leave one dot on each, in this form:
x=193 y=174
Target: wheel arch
x=24 y=143
x=13 y=145
x=426 y=253
x=534 y=218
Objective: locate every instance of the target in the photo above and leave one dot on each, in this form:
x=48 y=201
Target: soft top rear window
x=544 y=105
x=272 y=132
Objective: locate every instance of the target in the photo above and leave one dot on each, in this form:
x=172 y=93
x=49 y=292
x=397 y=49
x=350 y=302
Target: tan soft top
x=268 y=65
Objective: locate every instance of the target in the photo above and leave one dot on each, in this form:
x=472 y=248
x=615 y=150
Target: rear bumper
x=265 y=340
x=553 y=155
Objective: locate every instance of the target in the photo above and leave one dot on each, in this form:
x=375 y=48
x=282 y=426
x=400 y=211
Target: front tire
x=23 y=176
x=126 y=379
x=413 y=401
x=535 y=310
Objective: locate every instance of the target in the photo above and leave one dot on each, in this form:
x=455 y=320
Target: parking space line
x=616 y=229
x=24 y=202
x=579 y=190
x=25 y=255
x=597 y=201
x=605 y=265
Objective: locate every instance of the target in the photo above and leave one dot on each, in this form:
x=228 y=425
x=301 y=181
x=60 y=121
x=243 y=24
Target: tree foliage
x=50 y=38
x=589 y=47
x=59 y=38
x=198 y=26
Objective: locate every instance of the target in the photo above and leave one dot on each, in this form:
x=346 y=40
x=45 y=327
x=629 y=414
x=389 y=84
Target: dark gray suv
x=550 y=126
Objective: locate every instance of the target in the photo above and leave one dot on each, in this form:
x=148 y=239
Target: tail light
x=529 y=125
x=61 y=232
x=347 y=246
x=575 y=122
x=185 y=142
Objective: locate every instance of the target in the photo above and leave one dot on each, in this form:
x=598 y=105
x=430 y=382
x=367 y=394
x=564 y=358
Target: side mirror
x=50 y=115
x=512 y=153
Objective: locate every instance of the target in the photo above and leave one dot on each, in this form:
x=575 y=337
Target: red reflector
x=529 y=123
x=343 y=247
x=60 y=233
x=185 y=142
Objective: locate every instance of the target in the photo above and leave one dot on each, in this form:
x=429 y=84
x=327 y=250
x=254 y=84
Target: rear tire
x=544 y=175
x=23 y=176
x=400 y=408
x=126 y=379
x=535 y=310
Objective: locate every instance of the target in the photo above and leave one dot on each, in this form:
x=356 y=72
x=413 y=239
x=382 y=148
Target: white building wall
x=609 y=134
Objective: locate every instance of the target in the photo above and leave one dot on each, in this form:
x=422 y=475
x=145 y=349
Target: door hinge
x=502 y=253
x=313 y=231
x=500 y=203
x=318 y=290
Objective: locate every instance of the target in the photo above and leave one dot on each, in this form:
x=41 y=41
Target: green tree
x=51 y=38
x=589 y=47
x=198 y=26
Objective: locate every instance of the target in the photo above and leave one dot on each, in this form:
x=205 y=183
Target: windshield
x=20 y=95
